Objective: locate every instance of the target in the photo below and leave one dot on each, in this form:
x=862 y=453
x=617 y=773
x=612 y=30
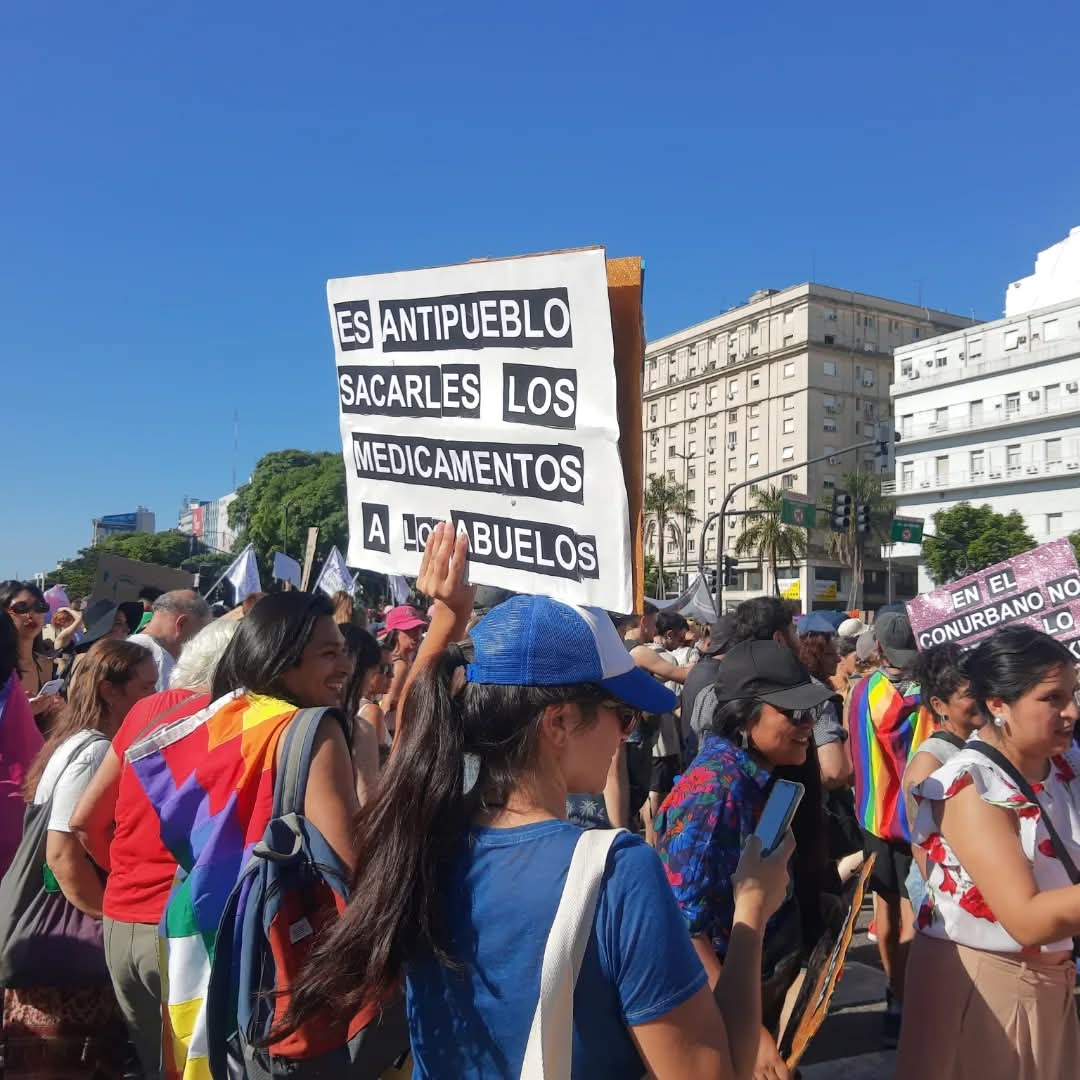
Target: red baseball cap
x=404 y=618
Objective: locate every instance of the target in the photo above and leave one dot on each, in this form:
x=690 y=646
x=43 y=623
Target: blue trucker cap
x=538 y=641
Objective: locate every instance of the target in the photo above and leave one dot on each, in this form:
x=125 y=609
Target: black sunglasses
x=798 y=716
x=24 y=607
x=628 y=717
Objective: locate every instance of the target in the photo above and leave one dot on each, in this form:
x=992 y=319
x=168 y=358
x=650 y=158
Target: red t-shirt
x=142 y=869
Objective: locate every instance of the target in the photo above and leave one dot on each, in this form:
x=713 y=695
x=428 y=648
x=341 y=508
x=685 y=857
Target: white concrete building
x=789 y=376
x=1056 y=278
x=991 y=414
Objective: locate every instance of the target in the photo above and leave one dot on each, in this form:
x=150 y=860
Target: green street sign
x=907 y=530
x=794 y=512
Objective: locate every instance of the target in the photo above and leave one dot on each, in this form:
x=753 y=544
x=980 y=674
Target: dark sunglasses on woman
x=799 y=716
x=628 y=717
x=24 y=607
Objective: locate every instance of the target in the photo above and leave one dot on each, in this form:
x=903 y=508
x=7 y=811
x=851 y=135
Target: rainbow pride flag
x=210 y=780
x=887 y=723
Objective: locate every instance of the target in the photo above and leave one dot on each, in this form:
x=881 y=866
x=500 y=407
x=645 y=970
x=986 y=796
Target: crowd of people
x=465 y=766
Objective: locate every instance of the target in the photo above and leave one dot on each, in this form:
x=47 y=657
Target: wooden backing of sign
x=309 y=556
x=625 y=289
x=822 y=976
x=119 y=579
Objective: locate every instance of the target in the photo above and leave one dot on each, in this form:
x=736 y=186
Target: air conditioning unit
x=1033 y=395
x=1033 y=468
x=867 y=347
x=1072 y=387
x=834 y=461
x=1072 y=465
x=924 y=483
x=995 y=476
x=654 y=440
x=914 y=375
x=731 y=395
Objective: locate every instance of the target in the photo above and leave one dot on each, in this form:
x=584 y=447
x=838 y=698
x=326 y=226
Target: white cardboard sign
x=484 y=393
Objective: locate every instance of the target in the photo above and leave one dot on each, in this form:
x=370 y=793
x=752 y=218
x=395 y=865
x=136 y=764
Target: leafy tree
x=169 y=548
x=294 y=488
x=652 y=578
x=666 y=500
x=765 y=537
x=1074 y=539
x=969 y=538
x=849 y=547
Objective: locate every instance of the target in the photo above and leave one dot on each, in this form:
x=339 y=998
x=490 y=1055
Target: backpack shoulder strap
x=549 y=1050
x=295 y=763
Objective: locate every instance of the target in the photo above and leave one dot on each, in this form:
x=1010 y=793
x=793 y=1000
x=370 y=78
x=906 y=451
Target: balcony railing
x=962 y=478
x=990 y=418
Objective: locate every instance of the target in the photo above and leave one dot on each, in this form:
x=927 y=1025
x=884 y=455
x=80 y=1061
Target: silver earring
x=999 y=721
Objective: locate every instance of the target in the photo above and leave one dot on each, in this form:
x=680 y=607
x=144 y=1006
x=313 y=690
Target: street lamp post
x=285 y=528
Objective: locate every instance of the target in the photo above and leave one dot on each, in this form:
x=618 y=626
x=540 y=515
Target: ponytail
x=405 y=840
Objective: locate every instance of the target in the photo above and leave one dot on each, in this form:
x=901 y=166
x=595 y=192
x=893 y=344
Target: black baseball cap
x=720 y=634
x=769 y=672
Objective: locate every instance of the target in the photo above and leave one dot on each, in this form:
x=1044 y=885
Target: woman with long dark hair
x=991 y=975
x=25 y=603
x=762 y=731
x=457 y=881
x=76 y=1029
x=20 y=741
x=209 y=779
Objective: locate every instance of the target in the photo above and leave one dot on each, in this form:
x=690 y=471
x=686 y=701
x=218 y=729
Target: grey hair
x=184 y=602
x=199 y=659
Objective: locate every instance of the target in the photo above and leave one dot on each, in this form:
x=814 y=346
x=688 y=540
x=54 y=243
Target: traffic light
x=710 y=578
x=862 y=517
x=885 y=453
x=731 y=576
x=840 y=518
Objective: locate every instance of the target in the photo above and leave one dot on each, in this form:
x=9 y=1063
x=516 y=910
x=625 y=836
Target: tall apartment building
x=790 y=375
x=208 y=520
x=992 y=414
x=138 y=520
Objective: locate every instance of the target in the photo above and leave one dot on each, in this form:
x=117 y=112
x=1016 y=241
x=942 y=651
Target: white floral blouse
x=954 y=909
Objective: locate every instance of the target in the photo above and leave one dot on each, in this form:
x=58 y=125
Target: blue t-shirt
x=639 y=964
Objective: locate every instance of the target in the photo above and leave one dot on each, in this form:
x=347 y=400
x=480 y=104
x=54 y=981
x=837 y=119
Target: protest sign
x=309 y=556
x=486 y=394
x=1039 y=588
x=118 y=579
x=286 y=569
x=334 y=577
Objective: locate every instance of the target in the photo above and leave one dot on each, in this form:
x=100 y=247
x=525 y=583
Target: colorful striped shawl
x=210 y=780
x=887 y=724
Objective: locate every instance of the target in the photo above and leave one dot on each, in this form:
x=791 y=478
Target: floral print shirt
x=954 y=909
x=700 y=832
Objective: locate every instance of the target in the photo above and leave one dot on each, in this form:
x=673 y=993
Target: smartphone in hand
x=779 y=810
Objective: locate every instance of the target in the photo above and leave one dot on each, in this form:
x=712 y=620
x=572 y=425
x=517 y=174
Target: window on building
x=732 y=387
x=787 y=481
x=868 y=377
x=789 y=371
x=732 y=464
x=1012 y=403
x=1053 y=450
x=755 y=433
x=973 y=348
x=906 y=424
x=789 y=425
x=829 y=402
x=710 y=395
x=753 y=350
x=755 y=376
x=733 y=416
x=652 y=457
x=828 y=425
x=1012 y=338
x=671 y=474
x=671 y=450
x=828 y=481
x=754 y=459
x=788 y=339
x=672 y=362
x=732 y=439
x=652 y=413
x=753 y=411
x=691 y=543
x=829 y=367
x=788 y=453
x=907 y=475
x=1052 y=397
x=941 y=419
x=672 y=547
x=975 y=411
x=691 y=496
x=789 y=401
x=941 y=469
x=830 y=339
x=905 y=367
x=712 y=443
x=693 y=399
x=691 y=447
x=1055 y=525
x=978 y=462
x=711 y=470
x=711 y=495
x=711 y=422
x=941 y=357
x=673 y=402
x=691 y=428
x=1051 y=329
x=1012 y=457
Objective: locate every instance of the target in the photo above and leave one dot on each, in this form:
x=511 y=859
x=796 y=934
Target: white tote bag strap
x=549 y=1050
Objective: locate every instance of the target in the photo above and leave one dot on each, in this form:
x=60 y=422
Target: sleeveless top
x=954 y=909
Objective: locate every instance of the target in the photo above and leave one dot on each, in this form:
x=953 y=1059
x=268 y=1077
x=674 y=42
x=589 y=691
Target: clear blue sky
x=180 y=180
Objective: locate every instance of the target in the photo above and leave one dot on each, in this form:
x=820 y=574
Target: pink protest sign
x=1040 y=588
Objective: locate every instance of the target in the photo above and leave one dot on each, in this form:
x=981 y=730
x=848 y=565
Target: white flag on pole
x=286 y=569
x=399 y=588
x=243 y=575
x=334 y=575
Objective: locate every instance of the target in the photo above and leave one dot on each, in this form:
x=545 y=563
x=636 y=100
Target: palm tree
x=847 y=547
x=766 y=537
x=666 y=499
